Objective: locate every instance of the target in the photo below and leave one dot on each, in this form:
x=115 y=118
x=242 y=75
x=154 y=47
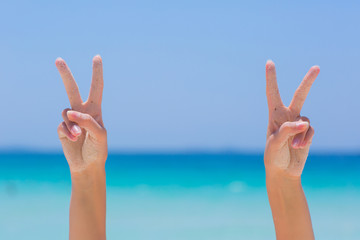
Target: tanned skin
x=289 y=137
x=84 y=141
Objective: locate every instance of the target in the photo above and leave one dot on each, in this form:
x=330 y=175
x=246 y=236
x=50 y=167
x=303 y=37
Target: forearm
x=289 y=208
x=88 y=204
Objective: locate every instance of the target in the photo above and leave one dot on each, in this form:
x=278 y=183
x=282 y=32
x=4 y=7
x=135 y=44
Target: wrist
x=92 y=175
x=280 y=178
x=86 y=168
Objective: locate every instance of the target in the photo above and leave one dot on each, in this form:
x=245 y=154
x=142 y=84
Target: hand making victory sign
x=82 y=132
x=84 y=141
x=289 y=134
x=289 y=137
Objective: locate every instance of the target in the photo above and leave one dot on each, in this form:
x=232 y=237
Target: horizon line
x=20 y=150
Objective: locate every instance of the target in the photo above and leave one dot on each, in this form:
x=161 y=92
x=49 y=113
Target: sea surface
x=176 y=196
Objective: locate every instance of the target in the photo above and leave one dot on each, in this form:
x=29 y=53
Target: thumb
x=289 y=129
x=88 y=123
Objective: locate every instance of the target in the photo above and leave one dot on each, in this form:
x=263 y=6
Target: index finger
x=71 y=87
x=302 y=91
x=272 y=90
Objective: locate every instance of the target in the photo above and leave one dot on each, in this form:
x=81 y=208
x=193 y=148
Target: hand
x=289 y=134
x=82 y=133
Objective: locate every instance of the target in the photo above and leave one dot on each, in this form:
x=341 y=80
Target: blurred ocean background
x=176 y=196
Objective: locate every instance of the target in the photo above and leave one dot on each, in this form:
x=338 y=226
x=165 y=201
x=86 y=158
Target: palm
x=285 y=155
x=86 y=149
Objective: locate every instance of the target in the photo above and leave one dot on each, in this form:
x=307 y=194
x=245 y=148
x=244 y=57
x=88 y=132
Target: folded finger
x=71 y=126
x=289 y=129
x=299 y=138
x=308 y=137
x=64 y=132
x=87 y=122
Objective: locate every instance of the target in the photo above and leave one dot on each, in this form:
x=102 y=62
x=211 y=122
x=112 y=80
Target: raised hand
x=83 y=138
x=82 y=133
x=289 y=134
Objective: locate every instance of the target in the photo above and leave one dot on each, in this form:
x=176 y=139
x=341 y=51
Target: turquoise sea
x=176 y=196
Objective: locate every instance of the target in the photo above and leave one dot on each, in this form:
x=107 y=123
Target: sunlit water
x=185 y=196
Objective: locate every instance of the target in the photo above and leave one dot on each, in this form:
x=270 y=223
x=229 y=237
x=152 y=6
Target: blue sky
x=184 y=75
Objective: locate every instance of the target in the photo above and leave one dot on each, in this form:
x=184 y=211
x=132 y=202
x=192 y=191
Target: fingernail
x=269 y=64
x=317 y=68
x=296 y=143
x=74 y=114
x=76 y=129
x=301 y=124
x=59 y=62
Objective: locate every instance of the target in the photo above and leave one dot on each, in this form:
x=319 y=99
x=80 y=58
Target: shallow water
x=169 y=196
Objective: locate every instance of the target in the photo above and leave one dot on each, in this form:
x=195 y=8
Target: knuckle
x=286 y=125
x=86 y=117
x=305 y=119
x=271 y=138
x=312 y=129
x=60 y=128
x=63 y=113
x=103 y=133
